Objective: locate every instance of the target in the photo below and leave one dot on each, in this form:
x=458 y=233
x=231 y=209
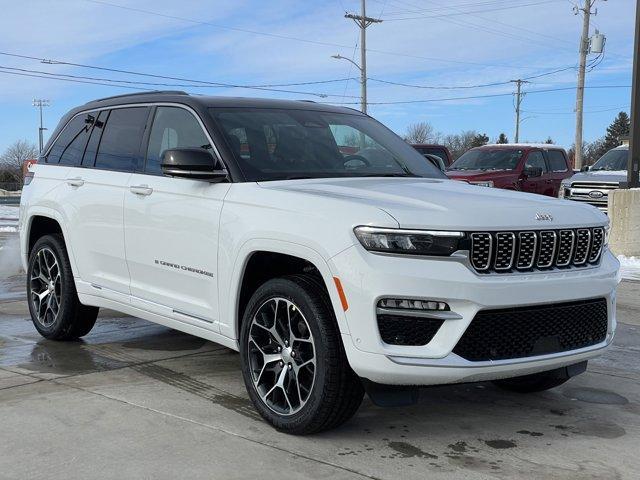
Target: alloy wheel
x=282 y=357
x=45 y=287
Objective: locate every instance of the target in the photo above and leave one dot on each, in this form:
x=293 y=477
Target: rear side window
x=557 y=162
x=69 y=146
x=120 y=143
x=173 y=127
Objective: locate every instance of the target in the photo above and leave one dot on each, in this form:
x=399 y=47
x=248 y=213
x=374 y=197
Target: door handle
x=75 y=182
x=141 y=190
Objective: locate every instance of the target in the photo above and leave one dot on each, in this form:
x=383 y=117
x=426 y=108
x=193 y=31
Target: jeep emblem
x=544 y=217
x=596 y=194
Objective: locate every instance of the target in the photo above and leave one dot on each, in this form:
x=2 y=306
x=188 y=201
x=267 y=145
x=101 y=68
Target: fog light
x=412 y=304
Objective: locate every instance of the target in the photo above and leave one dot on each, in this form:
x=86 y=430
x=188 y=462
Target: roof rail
x=150 y=92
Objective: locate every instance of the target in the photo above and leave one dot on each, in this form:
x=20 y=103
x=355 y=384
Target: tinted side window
x=120 y=144
x=89 y=158
x=557 y=162
x=69 y=147
x=173 y=127
x=536 y=160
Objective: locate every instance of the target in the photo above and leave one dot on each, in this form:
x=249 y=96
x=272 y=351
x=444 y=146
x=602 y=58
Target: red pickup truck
x=434 y=153
x=526 y=167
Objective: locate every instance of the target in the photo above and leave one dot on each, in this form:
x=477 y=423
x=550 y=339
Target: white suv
x=315 y=242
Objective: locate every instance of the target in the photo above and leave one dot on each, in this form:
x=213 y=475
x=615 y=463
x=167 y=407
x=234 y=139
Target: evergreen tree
x=549 y=141
x=502 y=139
x=479 y=140
x=619 y=128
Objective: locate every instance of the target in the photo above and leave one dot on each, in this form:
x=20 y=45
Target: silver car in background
x=593 y=185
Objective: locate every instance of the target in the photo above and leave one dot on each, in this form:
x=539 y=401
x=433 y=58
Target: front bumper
x=367 y=277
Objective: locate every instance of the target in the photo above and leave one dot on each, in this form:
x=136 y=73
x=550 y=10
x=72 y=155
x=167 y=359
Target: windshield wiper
x=389 y=175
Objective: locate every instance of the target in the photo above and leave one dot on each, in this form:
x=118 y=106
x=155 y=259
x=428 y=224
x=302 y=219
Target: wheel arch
x=291 y=258
x=43 y=221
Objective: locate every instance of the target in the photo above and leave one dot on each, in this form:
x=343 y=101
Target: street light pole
x=40 y=103
x=634 y=142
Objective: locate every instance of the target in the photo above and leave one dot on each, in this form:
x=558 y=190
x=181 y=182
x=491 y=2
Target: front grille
x=501 y=252
x=531 y=331
x=407 y=330
x=595 y=194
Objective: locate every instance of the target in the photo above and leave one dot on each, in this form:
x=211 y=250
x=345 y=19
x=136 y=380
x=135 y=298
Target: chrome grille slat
x=565 y=249
x=547 y=250
x=583 y=241
x=482 y=248
x=527 y=251
x=597 y=240
x=503 y=252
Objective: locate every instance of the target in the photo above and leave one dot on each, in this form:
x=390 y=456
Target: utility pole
x=583 y=51
x=634 y=144
x=519 y=96
x=363 y=22
x=40 y=103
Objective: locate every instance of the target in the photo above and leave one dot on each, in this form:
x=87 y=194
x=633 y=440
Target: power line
x=510 y=7
x=473 y=97
x=572 y=112
x=305 y=40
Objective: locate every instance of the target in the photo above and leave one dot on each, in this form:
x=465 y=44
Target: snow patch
x=10 y=263
x=629 y=267
x=8 y=229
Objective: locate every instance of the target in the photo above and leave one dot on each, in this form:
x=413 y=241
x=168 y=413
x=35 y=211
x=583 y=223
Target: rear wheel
x=293 y=362
x=55 y=309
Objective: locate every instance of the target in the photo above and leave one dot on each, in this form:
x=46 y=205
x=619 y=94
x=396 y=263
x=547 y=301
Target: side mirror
x=585 y=168
x=194 y=163
x=532 y=172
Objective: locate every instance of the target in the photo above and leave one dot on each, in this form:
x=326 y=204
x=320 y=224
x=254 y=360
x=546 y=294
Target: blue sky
x=448 y=43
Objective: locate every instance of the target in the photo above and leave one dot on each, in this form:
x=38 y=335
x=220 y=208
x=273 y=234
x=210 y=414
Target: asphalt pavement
x=138 y=400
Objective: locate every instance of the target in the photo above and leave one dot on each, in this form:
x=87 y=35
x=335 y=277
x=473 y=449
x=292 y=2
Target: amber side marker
x=343 y=298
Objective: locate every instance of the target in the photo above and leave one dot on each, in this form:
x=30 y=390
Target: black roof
x=177 y=96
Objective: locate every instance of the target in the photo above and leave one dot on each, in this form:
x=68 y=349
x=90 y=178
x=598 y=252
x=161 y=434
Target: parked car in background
x=526 y=167
x=430 y=150
x=593 y=184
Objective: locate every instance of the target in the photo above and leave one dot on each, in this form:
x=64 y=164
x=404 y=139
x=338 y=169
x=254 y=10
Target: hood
x=473 y=175
x=447 y=204
x=599 y=176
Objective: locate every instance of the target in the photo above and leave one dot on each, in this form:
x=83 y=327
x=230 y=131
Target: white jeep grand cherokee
x=318 y=244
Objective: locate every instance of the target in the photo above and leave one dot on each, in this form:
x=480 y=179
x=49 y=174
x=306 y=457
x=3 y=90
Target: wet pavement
x=138 y=400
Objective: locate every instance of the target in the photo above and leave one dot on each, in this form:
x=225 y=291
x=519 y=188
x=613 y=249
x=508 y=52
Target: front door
x=171 y=228
x=540 y=184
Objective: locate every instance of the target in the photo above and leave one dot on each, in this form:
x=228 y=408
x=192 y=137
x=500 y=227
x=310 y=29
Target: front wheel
x=53 y=301
x=293 y=362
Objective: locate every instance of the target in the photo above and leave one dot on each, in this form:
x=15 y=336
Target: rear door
x=535 y=159
x=171 y=227
x=94 y=197
x=558 y=169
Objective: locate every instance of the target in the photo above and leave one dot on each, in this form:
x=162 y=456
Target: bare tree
x=13 y=158
x=460 y=142
x=421 y=132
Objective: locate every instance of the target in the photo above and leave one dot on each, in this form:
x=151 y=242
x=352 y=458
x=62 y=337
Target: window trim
x=150 y=105
x=147 y=137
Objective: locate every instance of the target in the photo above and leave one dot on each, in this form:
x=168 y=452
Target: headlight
x=561 y=192
x=487 y=183
x=412 y=242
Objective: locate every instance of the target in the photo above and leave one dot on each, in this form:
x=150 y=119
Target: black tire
x=336 y=392
x=538 y=382
x=70 y=320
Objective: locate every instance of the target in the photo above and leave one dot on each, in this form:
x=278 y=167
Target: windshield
x=485 y=159
x=613 y=160
x=285 y=144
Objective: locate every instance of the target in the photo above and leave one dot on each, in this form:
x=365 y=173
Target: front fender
x=230 y=293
